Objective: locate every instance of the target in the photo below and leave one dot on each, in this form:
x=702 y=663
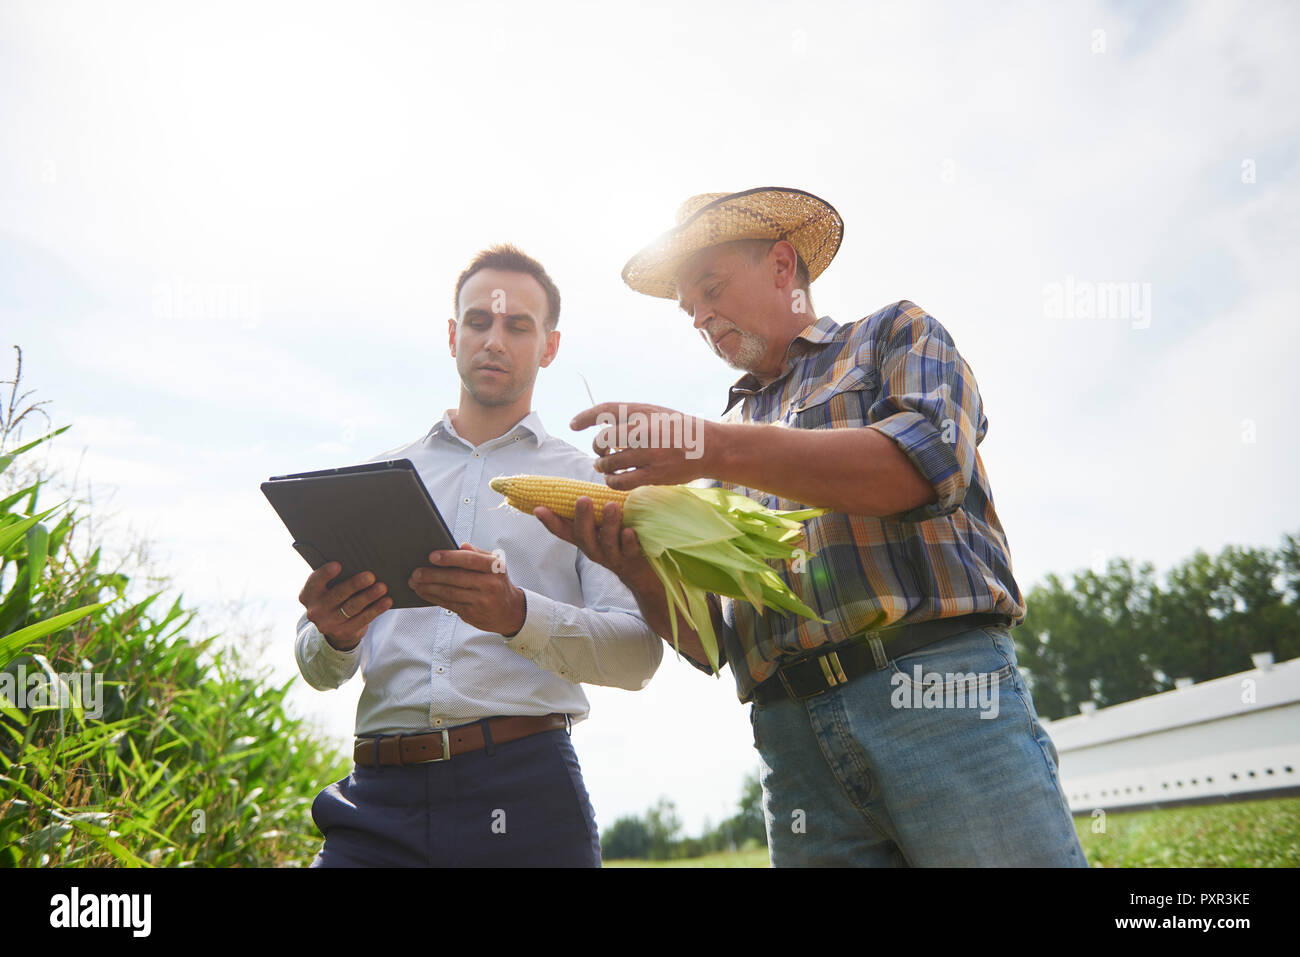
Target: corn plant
x=185 y=759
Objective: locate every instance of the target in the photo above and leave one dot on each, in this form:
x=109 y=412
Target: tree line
x=1126 y=633
x=656 y=835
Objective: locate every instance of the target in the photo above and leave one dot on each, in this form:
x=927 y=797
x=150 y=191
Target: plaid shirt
x=896 y=371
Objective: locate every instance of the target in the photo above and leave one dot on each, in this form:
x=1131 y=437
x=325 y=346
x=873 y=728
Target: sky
x=229 y=238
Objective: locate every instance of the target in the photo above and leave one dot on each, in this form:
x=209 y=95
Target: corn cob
x=526 y=492
x=697 y=540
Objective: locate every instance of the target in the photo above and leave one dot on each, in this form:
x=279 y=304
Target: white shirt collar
x=532 y=423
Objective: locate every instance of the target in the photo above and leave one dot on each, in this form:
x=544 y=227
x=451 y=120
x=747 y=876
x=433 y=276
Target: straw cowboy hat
x=810 y=224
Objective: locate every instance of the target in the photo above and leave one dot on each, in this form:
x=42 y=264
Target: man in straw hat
x=901 y=731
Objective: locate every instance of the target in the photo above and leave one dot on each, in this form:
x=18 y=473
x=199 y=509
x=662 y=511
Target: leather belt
x=403 y=749
x=826 y=670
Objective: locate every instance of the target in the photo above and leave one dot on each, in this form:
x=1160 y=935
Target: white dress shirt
x=426 y=670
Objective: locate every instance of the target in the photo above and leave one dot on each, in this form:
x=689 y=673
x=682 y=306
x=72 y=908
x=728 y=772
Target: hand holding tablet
x=375 y=520
x=328 y=608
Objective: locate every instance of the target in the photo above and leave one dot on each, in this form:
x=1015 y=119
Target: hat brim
x=809 y=223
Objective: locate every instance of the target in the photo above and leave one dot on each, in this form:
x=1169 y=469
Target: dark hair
x=755 y=249
x=509 y=258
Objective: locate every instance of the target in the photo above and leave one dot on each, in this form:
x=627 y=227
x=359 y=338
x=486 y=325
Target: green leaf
x=727 y=555
x=37 y=542
x=11 y=644
x=6 y=502
x=786 y=599
x=102 y=837
x=8 y=709
x=13 y=532
x=701 y=573
x=658 y=565
x=7 y=459
x=803 y=514
x=669 y=516
x=703 y=624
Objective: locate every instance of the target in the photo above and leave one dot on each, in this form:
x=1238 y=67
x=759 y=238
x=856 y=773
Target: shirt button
x=437 y=722
x=440 y=669
x=475 y=455
x=446 y=611
x=466 y=501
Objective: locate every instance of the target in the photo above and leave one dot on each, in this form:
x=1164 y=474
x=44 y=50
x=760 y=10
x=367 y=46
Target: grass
x=1245 y=834
x=754 y=858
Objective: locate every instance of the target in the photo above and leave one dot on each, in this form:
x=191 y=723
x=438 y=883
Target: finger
x=631 y=544
x=464 y=557
x=627 y=459
x=559 y=527
x=370 y=613
x=346 y=589
x=587 y=417
x=604 y=442
x=635 y=478
x=610 y=524
x=359 y=602
x=448 y=596
x=316 y=581
x=618 y=411
x=584 y=526
x=455 y=577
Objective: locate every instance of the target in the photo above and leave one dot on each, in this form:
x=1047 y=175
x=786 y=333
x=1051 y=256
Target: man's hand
x=473 y=584
x=343 y=613
x=611 y=545
x=619 y=550
x=663 y=447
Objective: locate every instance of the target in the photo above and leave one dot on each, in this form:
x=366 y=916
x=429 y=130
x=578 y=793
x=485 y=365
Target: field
x=1245 y=834
x=756 y=858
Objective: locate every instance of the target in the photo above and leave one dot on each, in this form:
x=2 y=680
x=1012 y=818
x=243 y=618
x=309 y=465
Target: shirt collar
x=532 y=423
x=817 y=333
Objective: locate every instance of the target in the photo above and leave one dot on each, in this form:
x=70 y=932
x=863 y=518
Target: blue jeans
x=917 y=765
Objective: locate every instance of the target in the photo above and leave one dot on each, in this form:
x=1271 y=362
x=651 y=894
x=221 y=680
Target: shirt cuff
x=539 y=625
x=933 y=457
x=334 y=656
x=705 y=666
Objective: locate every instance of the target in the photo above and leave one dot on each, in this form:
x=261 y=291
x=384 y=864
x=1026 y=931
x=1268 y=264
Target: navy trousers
x=520 y=804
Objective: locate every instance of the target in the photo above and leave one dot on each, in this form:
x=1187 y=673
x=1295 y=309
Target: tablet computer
x=376 y=517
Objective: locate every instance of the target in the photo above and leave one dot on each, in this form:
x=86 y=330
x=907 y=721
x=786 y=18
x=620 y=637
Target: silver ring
x=345 y=614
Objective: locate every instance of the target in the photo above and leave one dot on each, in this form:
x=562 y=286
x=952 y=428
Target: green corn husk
x=701 y=540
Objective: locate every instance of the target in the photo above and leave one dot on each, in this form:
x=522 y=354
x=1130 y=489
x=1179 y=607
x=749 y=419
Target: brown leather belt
x=403 y=749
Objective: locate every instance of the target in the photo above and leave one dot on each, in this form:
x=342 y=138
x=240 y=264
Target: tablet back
x=376 y=517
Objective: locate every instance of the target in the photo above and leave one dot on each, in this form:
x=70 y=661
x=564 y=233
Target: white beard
x=749 y=355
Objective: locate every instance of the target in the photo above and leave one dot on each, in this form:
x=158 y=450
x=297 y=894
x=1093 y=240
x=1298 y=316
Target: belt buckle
x=446 y=750
x=832 y=671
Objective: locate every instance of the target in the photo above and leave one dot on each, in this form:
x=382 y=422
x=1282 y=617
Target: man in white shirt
x=463 y=755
